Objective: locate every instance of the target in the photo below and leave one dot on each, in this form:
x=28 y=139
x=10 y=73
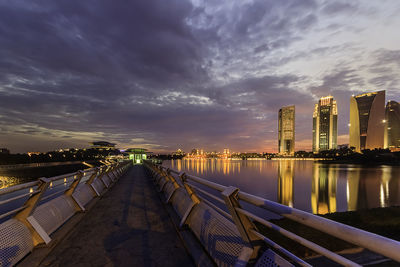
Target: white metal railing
x=38 y=164
x=229 y=198
x=30 y=212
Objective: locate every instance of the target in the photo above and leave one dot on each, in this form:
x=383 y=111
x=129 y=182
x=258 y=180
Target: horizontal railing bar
x=212 y=185
x=12 y=212
x=18 y=187
x=18 y=197
x=57 y=185
x=59 y=177
x=199 y=180
x=226 y=214
x=311 y=245
x=280 y=249
x=376 y=243
x=206 y=193
x=53 y=194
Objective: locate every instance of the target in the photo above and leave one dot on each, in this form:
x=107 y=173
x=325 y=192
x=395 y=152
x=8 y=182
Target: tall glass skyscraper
x=392 y=126
x=325 y=124
x=286 y=131
x=367 y=120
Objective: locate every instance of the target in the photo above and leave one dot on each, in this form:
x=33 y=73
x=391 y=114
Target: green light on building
x=137 y=155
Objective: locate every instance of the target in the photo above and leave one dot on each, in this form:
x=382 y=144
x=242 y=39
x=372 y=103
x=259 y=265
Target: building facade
x=367 y=120
x=286 y=130
x=325 y=124
x=392 y=126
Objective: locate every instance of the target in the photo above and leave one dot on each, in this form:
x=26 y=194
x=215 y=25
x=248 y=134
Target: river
x=311 y=186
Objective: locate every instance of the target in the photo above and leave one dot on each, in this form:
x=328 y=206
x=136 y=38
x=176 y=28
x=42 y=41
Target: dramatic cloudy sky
x=186 y=73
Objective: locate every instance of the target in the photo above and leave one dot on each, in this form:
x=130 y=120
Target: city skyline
x=188 y=73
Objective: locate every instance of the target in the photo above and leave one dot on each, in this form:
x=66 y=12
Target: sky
x=186 y=74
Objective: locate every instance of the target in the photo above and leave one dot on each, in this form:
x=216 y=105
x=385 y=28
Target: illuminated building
x=226 y=151
x=367 y=118
x=325 y=124
x=392 y=126
x=137 y=155
x=286 y=130
x=103 y=145
x=285 y=182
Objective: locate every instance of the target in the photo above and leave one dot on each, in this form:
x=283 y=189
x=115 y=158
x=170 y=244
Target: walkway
x=129 y=226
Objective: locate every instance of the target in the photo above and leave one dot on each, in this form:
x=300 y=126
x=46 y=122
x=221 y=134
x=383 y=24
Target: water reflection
x=306 y=185
x=353 y=181
x=7 y=181
x=285 y=182
x=323 y=189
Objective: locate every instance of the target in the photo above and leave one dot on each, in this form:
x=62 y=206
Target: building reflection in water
x=329 y=187
x=352 y=186
x=323 y=189
x=285 y=182
x=204 y=166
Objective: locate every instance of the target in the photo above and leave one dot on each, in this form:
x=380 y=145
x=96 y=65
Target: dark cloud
x=339 y=7
x=163 y=74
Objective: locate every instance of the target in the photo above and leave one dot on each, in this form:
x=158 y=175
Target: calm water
x=310 y=186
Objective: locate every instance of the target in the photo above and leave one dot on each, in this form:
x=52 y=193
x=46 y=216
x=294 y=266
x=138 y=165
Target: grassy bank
x=381 y=221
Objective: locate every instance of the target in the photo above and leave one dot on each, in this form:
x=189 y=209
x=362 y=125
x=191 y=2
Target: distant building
x=392 y=126
x=179 y=152
x=103 y=145
x=325 y=124
x=286 y=130
x=226 y=151
x=4 y=151
x=137 y=155
x=367 y=117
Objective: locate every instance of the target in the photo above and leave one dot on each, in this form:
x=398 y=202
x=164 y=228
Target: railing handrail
x=376 y=243
x=18 y=187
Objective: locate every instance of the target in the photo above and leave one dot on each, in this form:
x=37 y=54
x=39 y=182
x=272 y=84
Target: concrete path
x=129 y=226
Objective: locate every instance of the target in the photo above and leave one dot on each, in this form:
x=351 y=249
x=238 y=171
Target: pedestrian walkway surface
x=129 y=226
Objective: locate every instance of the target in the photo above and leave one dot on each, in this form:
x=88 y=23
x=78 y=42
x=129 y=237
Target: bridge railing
x=239 y=209
x=31 y=212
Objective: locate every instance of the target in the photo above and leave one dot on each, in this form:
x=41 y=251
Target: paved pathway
x=127 y=227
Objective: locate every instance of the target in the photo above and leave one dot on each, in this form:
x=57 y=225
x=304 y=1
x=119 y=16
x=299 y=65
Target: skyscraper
x=392 y=125
x=367 y=117
x=286 y=131
x=325 y=124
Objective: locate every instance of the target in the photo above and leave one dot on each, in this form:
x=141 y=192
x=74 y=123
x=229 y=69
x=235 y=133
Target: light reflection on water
x=311 y=186
x=7 y=181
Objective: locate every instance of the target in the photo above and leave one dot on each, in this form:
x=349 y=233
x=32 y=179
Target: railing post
x=24 y=216
x=193 y=196
x=242 y=222
x=172 y=179
x=92 y=177
x=189 y=190
x=100 y=173
x=106 y=168
x=174 y=183
x=111 y=175
x=72 y=189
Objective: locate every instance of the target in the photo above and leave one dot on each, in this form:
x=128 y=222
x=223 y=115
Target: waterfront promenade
x=128 y=226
